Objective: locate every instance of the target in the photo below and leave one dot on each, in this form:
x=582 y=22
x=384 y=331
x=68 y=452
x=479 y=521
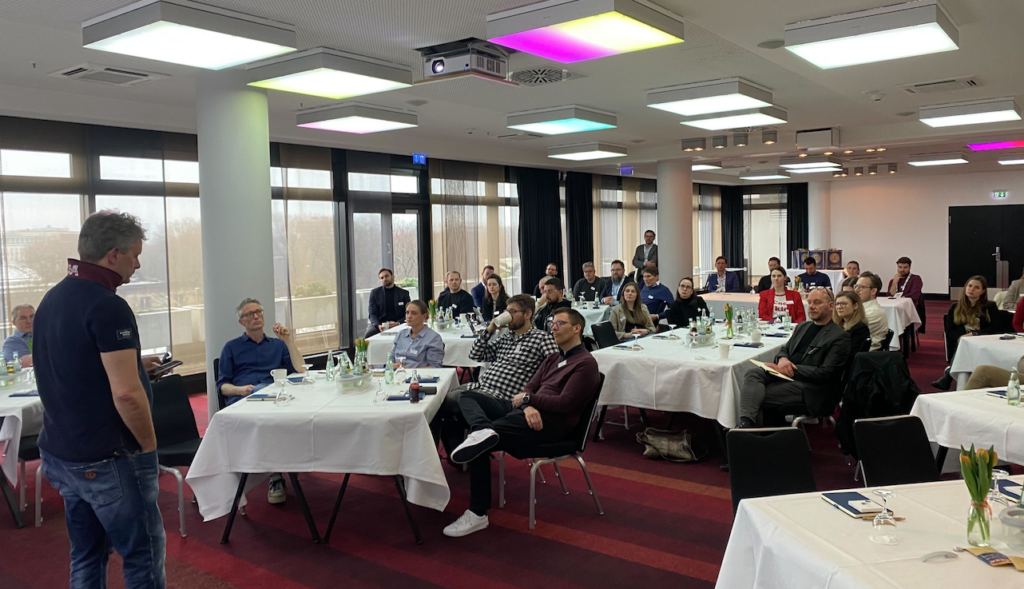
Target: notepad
x=28 y=394
x=749 y=345
x=424 y=379
x=261 y=397
x=403 y=397
x=853 y=504
x=466 y=336
x=769 y=370
x=775 y=335
x=1010 y=489
x=1000 y=393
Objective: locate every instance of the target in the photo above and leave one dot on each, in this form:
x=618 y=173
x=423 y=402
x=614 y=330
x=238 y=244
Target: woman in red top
x=777 y=301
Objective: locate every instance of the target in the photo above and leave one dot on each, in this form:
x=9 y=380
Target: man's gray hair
x=238 y=309
x=106 y=230
x=588 y=265
x=17 y=309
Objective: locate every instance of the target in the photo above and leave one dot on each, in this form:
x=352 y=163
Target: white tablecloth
x=975 y=351
x=22 y=416
x=797 y=541
x=836 y=276
x=322 y=430
x=963 y=418
x=598 y=315
x=900 y=312
x=669 y=376
x=456 y=347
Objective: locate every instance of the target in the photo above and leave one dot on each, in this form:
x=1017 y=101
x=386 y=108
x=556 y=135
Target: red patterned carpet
x=665 y=525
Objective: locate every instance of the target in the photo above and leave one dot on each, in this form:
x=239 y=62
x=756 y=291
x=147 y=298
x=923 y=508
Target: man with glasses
x=546 y=409
x=387 y=304
x=590 y=286
x=867 y=287
x=514 y=356
x=246 y=362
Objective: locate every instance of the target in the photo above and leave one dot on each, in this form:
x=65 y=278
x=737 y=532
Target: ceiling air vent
x=950 y=85
x=520 y=136
x=542 y=76
x=106 y=75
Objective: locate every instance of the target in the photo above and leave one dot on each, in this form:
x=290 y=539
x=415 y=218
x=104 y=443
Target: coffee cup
x=278 y=374
x=756 y=337
x=723 y=351
x=504 y=319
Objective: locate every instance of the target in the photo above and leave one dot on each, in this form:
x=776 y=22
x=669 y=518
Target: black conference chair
x=768 y=461
x=177 y=436
x=886 y=342
x=894 y=451
x=221 y=401
x=604 y=334
x=553 y=453
x=28 y=450
x=8 y=493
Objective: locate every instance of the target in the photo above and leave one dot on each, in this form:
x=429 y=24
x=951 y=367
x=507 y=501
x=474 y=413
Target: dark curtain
x=796 y=216
x=732 y=230
x=540 y=224
x=579 y=222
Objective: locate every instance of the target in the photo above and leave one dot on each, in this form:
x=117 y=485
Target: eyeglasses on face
x=842 y=305
x=251 y=314
x=559 y=324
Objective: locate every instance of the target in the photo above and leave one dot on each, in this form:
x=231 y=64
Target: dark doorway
x=974 y=235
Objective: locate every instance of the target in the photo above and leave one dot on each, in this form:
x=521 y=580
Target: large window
x=624 y=209
x=764 y=228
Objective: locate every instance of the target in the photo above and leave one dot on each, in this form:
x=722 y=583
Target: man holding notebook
x=808 y=369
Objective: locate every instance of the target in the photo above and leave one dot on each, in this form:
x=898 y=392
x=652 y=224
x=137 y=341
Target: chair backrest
x=768 y=461
x=894 y=451
x=582 y=431
x=886 y=342
x=173 y=418
x=604 y=334
x=221 y=401
x=999 y=298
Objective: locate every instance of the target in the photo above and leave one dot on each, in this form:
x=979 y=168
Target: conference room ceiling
x=465 y=119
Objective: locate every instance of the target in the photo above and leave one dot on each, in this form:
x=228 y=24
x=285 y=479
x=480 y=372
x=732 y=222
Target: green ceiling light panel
x=329 y=74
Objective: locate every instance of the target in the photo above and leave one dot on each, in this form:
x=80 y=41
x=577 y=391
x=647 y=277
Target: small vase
x=979 y=524
x=728 y=330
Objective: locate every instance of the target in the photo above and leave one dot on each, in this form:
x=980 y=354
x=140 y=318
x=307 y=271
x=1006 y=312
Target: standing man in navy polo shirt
x=98 y=444
x=246 y=362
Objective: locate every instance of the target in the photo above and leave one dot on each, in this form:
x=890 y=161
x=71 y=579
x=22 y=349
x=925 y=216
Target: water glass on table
x=884 y=525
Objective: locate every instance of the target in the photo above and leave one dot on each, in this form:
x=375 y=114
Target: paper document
x=769 y=370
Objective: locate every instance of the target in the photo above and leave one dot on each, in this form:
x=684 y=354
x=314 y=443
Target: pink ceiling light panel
x=995 y=145
x=568 y=31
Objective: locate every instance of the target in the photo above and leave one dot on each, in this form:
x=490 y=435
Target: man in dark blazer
x=611 y=292
x=387 y=304
x=646 y=254
x=814 y=358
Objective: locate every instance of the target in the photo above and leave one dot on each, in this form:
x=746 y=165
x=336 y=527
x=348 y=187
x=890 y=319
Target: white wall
x=877 y=220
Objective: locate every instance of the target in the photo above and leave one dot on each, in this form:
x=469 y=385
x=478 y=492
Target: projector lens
x=437 y=66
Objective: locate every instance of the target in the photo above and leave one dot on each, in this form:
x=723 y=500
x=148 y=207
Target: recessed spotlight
x=803 y=154
x=720 y=141
x=878 y=34
x=880 y=149
x=828 y=153
x=848 y=151
x=858 y=171
x=870 y=150
x=892 y=168
x=873 y=170
x=739 y=139
x=697 y=144
x=769 y=137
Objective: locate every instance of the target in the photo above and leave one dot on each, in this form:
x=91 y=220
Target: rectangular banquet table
x=976 y=350
x=961 y=418
x=22 y=416
x=322 y=430
x=797 y=541
x=669 y=376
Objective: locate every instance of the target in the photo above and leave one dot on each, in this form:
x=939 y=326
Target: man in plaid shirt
x=514 y=357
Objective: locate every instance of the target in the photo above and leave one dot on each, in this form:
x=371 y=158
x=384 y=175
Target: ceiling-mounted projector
x=472 y=56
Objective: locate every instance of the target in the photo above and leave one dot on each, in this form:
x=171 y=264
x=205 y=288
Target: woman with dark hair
x=687 y=305
x=419 y=345
x=972 y=315
x=495 y=298
x=777 y=302
x=850 y=283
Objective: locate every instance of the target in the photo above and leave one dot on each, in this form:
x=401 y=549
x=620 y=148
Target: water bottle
x=389 y=370
x=329 y=368
x=1013 y=389
x=711 y=317
x=16 y=363
x=4 y=368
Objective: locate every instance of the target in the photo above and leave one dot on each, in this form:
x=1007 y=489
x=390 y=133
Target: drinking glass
x=884 y=525
x=309 y=377
x=636 y=346
x=995 y=495
x=401 y=369
x=672 y=331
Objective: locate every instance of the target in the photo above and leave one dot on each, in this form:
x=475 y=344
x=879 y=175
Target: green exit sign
x=1000 y=194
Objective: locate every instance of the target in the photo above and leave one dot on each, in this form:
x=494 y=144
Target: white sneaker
x=275 y=494
x=467 y=523
x=476 y=444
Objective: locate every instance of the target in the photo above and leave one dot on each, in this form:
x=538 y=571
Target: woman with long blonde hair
x=973 y=314
x=631 y=317
x=848 y=313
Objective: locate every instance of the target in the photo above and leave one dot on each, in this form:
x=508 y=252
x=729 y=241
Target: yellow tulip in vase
x=976 y=468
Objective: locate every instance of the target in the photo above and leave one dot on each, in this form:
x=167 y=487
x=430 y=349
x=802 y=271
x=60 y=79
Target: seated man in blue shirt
x=246 y=362
x=811 y=278
x=419 y=346
x=722 y=280
x=21 y=342
x=656 y=296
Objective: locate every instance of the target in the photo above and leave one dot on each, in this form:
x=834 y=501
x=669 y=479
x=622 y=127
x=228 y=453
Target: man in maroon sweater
x=546 y=411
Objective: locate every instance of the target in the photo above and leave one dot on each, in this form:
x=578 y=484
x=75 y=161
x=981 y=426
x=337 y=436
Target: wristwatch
x=526 y=401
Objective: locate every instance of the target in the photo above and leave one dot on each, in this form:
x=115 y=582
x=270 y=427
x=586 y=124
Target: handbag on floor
x=669 y=445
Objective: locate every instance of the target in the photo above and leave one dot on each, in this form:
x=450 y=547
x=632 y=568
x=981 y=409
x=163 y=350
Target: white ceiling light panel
x=975 y=112
x=703 y=166
x=767 y=115
x=812 y=161
x=765 y=175
x=938 y=159
x=188 y=33
x=329 y=74
x=356 y=118
x=891 y=32
x=709 y=97
x=586 y=151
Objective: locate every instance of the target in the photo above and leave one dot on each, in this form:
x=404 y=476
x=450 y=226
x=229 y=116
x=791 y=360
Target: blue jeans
x=112 y=505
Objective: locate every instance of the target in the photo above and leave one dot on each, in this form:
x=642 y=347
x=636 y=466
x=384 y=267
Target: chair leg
x=643 y=418
x=8 y=493
x=533 y=494
x=530 y=462
x=21 y=485
x=501 y=480
x=181 y=496
x=39 y=495
x=590 y=483
x=599 y=433
x=561 y=479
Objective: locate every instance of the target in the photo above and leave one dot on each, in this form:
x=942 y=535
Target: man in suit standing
x=646 y=254
x=814 y=358
x=387 y=304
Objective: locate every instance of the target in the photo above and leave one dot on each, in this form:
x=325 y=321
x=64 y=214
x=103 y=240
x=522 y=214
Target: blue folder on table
x=424 y=379
x=28 y=394
x=1001 y=393
x=1010 y=489
x=841 y=500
